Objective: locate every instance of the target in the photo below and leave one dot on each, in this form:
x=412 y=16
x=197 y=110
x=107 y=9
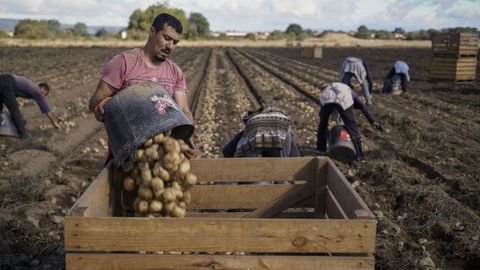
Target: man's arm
x=103 y=93
x=52 y=120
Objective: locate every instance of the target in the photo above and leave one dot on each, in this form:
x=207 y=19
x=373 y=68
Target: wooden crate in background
x=455 y=44
x=454 y=57
x=308 y=218
x=311 y=52
x=453 y=69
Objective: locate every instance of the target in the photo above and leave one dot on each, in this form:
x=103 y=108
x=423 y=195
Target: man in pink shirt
x=149 y=63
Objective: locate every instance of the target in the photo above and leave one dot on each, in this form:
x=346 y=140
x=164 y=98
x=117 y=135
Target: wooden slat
x=343 y=192
x=287 y=215
x=321 y=187
x=94 y=202
x=236 y=196
x=219 y=235
x=204 y=262
x=284 y=201
x=253 y=169
x=333 y=208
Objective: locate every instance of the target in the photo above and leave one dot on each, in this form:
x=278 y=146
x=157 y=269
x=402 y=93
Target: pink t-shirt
x=130 y=67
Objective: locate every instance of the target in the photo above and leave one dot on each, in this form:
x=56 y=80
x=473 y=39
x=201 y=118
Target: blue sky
x=264 y=15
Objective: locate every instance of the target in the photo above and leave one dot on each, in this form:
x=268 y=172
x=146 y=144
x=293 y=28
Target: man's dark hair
x=165 y=18
x=44 y=85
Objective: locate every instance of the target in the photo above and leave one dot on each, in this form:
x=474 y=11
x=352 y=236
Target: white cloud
x=260 y=15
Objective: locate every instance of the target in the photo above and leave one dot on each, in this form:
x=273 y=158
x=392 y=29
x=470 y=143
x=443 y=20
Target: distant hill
x=9 y=25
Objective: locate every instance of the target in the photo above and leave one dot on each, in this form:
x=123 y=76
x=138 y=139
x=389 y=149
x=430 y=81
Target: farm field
x=421 y=179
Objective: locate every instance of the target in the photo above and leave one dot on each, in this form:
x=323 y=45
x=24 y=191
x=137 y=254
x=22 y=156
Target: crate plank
x=344 y=193
x=254 y=169
x=333 y=209
x=197 y=262
x=284 y=201
x=95 y=200
x=236 y=196
x=320 y=194
x=217 y=235
x=240 y=214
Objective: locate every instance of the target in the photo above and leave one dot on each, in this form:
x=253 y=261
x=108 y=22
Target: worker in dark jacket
x=13 y=86
x=267 y=133
x=397 y=75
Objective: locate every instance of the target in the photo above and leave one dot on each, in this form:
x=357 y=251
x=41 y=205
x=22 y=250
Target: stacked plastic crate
x=454 y=57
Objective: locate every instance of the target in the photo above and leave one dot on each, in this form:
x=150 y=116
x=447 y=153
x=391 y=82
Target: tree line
x=195 y=26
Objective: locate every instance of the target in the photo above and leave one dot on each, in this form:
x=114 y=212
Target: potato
x=182 y=204
x=157 y=184
x=145 y=192
x=158 y=194
x=190 y=180
x=183 y=170
x=161 y=172
x=178 y=211
x=129 y=183
x=159 y=138
x=148 y=143
x=141 y=154
x=169 y=194
x=171 y=145
x=168 y=208
x=187 y=197
x=183 y=145
x=142 y=165
x=178 y=189
x=146 y=176
x=151 y=152
x=155 y=206
x=143 y=207
x=171 y=161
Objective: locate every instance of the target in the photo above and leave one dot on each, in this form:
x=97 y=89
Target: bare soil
x=421 y=179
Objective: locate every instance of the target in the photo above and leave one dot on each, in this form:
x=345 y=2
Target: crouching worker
x=13 y=86
x=267 y=133
x=397 y=76
x=356 y=67
x=338 y=96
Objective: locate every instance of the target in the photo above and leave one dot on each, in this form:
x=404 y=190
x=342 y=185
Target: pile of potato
x=161 y=178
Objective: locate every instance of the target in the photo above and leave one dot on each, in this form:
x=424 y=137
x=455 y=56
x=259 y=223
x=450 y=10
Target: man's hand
x=378 y=127
x=98 y=111
x=192 y=152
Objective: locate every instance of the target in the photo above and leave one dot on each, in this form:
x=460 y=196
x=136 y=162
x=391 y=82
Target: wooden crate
x=453 y=69
x=311 y=52
x=455 y=44
x=313 y=221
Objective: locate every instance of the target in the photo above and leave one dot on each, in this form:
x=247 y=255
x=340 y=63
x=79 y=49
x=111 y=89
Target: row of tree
x=195 y=26
x=365 y=33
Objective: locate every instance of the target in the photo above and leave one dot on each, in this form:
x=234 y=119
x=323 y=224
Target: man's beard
x=161 y=57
